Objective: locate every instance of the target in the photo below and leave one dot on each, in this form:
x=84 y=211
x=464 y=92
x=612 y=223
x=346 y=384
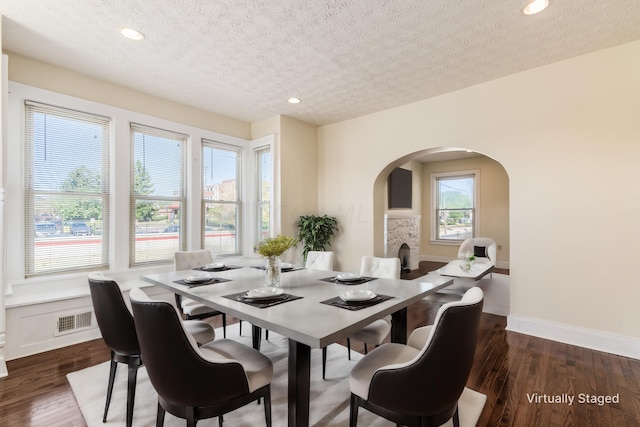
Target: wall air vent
x=70 y=323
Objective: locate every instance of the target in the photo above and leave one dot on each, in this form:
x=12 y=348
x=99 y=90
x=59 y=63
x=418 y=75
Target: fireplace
x=402 y=239
x=404 y=253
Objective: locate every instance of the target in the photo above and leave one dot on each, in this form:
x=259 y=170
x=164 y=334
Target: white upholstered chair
x=483 y=248
x=319 y=260
x=436 y=362
x=190 y=309
x=374 y=333
x=388 y=268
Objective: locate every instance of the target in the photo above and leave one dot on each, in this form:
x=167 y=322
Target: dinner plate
x=358 y=295
x=215 y=266
x=263 y=293
x=286 y=266
x=197 y=278
x=348 y=277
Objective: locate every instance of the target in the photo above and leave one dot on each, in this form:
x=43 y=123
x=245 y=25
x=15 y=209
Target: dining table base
x=299 y=383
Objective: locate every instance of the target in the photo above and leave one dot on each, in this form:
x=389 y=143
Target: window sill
x=39 y=290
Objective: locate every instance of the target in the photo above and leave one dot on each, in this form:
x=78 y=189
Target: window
x=158 y=194
x=455 y=205
x=67 y=190
x=221 y=199
x=265 y=220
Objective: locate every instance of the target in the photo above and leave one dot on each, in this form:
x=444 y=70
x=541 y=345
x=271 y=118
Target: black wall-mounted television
x=399 y=185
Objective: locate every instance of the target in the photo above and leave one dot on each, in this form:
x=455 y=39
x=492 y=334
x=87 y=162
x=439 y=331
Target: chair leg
x=220 y=420
x=112 y=376
x=324 y=361
x=224 y=325
x=353 y=411
x=160 y=416
x=456 y=419
x=267 y=408
x=191 y=416
x=348 y=348
x=365 y=349
x=240 y=322
x=131 y=389
x=266 y=335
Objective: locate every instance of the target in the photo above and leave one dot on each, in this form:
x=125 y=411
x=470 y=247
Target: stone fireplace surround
x=399 y=229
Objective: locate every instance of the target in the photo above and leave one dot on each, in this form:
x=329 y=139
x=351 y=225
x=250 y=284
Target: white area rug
x=329 y=398
x=496 y=294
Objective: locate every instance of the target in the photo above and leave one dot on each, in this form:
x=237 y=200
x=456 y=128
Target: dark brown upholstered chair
x=190 y=309
x=194 y=382
x=118 y=331
x=419 y=384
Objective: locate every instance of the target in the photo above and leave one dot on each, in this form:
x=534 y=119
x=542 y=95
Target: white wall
x=568 y=136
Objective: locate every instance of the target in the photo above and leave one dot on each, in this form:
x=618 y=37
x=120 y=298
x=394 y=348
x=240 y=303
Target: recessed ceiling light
x=294 y=100
x=131 y=33
x=535 y=6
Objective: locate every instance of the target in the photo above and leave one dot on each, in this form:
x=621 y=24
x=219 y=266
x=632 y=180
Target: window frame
x=240 y=190
x=434 y=204
x=30 y=108
x=181 y=199
x=119 y=182
x=260 y=203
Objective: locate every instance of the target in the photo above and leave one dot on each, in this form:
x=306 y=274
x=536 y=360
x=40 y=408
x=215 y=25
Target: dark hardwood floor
x=508 y=368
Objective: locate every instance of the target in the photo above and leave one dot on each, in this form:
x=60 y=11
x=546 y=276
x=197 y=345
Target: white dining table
x=306 y=322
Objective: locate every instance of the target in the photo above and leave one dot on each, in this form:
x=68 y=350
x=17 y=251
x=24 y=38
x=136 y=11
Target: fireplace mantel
x=399 y=229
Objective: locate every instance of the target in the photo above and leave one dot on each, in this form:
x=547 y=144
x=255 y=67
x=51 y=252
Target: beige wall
x=567 y=135
x=493 y=199
x=299 y=172
x=45 y=76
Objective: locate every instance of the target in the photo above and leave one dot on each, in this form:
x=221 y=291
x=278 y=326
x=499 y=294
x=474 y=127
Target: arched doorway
x=492 y=211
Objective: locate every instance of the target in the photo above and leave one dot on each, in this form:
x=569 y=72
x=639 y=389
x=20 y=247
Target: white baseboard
x=582 y=337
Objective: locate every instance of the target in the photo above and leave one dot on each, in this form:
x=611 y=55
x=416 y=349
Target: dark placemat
x=262 y=303
x=225 y=268
x=208 y=282
x=360 y=281
x=356 y=305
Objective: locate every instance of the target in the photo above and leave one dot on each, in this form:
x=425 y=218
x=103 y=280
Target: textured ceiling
x=343 y=58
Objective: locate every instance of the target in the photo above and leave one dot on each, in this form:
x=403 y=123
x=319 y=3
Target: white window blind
x=158 y=194
x=67 y=190
x=221 y=197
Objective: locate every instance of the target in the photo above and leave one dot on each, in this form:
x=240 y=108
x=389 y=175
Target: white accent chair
x=484 y=249
x=319 y=260
x=190 y=309
x=436 y=361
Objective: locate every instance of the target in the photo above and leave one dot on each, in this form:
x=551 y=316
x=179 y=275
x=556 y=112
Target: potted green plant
x=272 y=248
x=316 y=232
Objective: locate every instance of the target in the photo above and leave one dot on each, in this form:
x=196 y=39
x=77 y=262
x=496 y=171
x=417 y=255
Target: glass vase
x=274 y=271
